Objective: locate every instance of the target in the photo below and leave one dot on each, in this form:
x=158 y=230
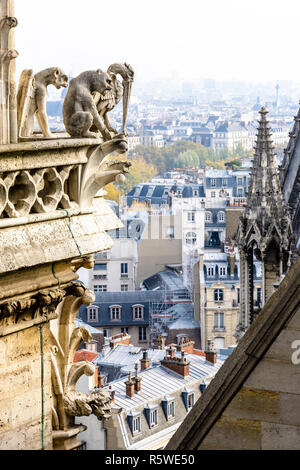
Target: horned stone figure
x=32 y=99
x=107 y=101
x=79 y=109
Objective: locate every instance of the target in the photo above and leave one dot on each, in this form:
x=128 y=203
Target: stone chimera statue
x=32 y=99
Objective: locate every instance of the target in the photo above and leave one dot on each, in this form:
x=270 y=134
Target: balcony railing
x=100 y=256
x=219 y=328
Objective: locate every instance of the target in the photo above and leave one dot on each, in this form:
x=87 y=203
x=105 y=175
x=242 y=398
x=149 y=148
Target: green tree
x=139 y=172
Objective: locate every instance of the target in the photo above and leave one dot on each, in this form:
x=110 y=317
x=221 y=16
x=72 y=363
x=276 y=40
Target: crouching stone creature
x=32 y=98
x=79 y=109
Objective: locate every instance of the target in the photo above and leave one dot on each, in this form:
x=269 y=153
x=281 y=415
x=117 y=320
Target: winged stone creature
x=108 y=100
x=32 y=98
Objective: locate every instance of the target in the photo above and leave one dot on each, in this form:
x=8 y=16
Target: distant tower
x=264 y=230
x=277 y=96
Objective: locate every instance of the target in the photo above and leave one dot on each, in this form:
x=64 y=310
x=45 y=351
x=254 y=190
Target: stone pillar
x=8 y=54
x=250 y=288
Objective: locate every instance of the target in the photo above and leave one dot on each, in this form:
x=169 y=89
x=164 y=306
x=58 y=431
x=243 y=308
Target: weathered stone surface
x=51 y=241
x=289 y=408
x=278 y=376
x=233 y=433
x=2 y=352
x=282 y=349
x=255 y=405
x=276 y=436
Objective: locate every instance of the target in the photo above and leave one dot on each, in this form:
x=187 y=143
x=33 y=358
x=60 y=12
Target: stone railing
x=41 y=177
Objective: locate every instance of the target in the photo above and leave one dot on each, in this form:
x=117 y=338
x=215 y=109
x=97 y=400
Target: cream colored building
x=115 y=270
x=217 y=297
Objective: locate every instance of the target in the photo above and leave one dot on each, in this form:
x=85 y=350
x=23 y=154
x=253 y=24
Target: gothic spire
x=265 y=209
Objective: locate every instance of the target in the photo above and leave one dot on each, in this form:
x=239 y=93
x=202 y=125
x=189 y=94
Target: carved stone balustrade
x=56 y=181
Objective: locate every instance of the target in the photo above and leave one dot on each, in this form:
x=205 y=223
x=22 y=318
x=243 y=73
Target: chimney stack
x=137 y=380
x=210 y=353
x=112 y=392
x=171 y=351
x=159 y=342
x=130 y=386
x=121 y=338
x=101 y=379
x=185 y=345
x=145 y=361
x=177 y=364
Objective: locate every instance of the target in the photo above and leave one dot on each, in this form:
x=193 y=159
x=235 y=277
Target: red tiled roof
x=84 y=355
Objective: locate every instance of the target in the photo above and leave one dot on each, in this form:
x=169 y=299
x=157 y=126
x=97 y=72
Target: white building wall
x=95 y=435
x=124 y=251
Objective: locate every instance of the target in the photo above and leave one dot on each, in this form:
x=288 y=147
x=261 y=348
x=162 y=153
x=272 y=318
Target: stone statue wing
x=25 y=100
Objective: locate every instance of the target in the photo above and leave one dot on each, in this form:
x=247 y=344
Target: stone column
x=8 y=54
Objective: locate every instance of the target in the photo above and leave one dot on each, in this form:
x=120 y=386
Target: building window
x=115 y=312
x=124 y=287
x=106 y=332
x=150 y=191
x=170 y=232
x=219 y=320
x=240 y=192
x=219 y=342
x=100 y=267
x=240 y=181
x=218 y=295
x=191 y=216
x=125 y=329
x=213 y=182
x=207 y=216
x=224 y=182
x=100 y=288
x=210 y=271
x=136 y=425
x=153 y=418
x=222 y=271
x=92 y=314
x=142 y=333
x=191 y=400
x=138 y=312
x=221 y=216
x=171 y=409
x=213 y=194
x=124 y=269
x=190 y=238
x=195 y=192
x=258 y=295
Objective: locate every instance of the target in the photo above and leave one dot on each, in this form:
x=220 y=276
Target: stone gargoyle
x=32 y=99
x=105 y=102
x=79 y=109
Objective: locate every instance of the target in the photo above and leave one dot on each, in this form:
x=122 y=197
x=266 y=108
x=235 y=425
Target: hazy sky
x=254 y=40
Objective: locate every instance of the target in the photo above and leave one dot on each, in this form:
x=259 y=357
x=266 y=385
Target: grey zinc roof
x=128 y=356
x=160 y=381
